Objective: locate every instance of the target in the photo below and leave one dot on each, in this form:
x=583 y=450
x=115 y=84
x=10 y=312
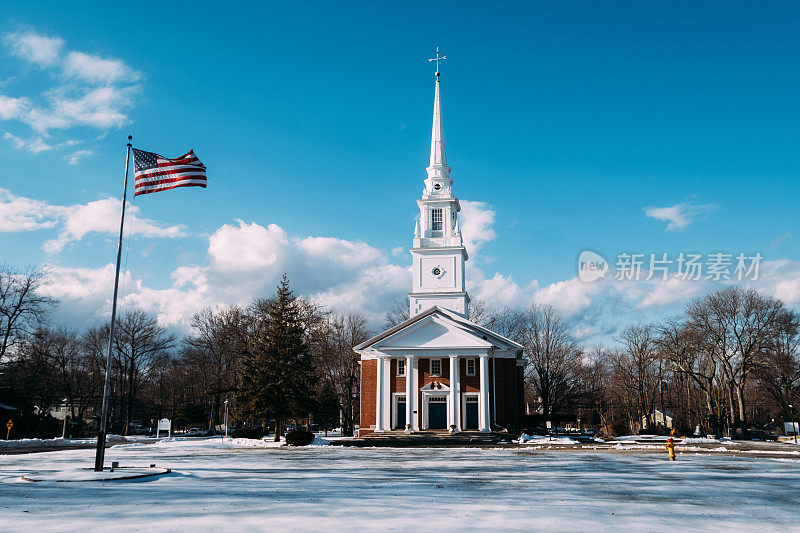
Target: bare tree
x=22 y=306
x=139 y=343
x=686 y=353
x=214 y=353
x=740 y=326
x=778 y=373
x=398 y=312
x=637 y=371
x=554 y=358
x=338 y=363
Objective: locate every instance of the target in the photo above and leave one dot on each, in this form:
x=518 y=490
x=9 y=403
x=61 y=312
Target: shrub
x=299 y=438
x=247 y=433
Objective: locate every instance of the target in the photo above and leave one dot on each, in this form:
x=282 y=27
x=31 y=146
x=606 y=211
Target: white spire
x=438 y=157
x=438 y=167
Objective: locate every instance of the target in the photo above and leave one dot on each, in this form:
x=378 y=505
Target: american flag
x=155 y=173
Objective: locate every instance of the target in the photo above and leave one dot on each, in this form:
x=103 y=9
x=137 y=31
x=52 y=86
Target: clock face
x=437 y=186
x=438 y=271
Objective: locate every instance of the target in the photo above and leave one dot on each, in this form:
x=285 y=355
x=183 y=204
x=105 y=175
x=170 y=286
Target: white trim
x=474 y=366
x=484 y=420
x=387 y=397
x=411 y=392
x=430 y=367
x=426 y=395
x=395 y=397
x=379 y=393
x=453 y=418
x=464 y=397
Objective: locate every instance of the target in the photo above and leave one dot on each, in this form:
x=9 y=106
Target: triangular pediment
x=433 y=332
x=439 y=329
x=435 y=386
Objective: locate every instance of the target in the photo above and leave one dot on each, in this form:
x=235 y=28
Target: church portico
x=437 y=370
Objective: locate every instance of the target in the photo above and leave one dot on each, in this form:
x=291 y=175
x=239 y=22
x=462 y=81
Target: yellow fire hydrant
x=670 y=448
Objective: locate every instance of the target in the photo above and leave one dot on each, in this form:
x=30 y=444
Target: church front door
x=471 y=408
x=437 y=412
x=400 y=409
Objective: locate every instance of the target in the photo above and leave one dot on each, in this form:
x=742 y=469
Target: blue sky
x=564 y=123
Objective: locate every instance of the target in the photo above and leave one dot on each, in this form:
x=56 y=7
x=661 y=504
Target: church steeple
x=438 y=251
x=438 y=165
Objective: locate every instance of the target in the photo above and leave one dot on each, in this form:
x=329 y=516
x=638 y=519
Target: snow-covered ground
x=236 y=486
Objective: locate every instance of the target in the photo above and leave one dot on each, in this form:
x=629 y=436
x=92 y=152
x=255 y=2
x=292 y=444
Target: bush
x=299 y=438
x=247 y=433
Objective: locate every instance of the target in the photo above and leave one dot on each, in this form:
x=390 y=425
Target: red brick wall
x=396 y=384
x=507 y=395
x=369 y=377
x=469 y=383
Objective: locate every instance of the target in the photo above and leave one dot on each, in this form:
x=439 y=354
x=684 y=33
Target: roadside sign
x=9 y=425
x=164 y=424
x=789 y=428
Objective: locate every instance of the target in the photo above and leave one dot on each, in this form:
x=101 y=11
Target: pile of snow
x=643 y=438
x=543 y=439
x=217 y=442
x=55 y=443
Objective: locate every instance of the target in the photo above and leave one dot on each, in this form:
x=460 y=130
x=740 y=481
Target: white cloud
x=674 y=290
x=102 y=216
x=499 y=290
x=34 y=47
x=19 y=214
x=75 y=157
x=24 y=214
x=33 y=145
x=96 y=69
x=100 y=108
x=569 y=296
x=12 y=108
x=92 y=91
x=781 y=279
x=246 y=260
x=248 y=247
x=476 y=221
x=678 y=216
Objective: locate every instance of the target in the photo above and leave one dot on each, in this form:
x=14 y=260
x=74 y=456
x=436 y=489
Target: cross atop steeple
x=439 y=57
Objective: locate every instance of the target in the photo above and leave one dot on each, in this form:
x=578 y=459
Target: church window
x=436 y=219
x=470 y=367
x=436 y=367
x=401 y=367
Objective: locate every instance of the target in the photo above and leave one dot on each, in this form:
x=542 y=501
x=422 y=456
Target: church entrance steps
x=427 y=439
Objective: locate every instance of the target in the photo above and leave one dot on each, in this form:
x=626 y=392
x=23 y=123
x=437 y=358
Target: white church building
x=439 y=371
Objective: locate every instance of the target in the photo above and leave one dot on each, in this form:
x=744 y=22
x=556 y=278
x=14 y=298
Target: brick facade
x=505 y=402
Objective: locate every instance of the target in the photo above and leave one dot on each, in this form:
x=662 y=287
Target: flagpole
x=101 y=435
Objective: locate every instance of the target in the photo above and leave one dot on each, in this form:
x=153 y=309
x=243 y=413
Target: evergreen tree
x=278 y=376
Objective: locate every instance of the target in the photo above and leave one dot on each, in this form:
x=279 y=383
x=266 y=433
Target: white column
x=379 y=400
x=410 y=392
x=455 y=397
x=484 y=396
x=415 y=393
